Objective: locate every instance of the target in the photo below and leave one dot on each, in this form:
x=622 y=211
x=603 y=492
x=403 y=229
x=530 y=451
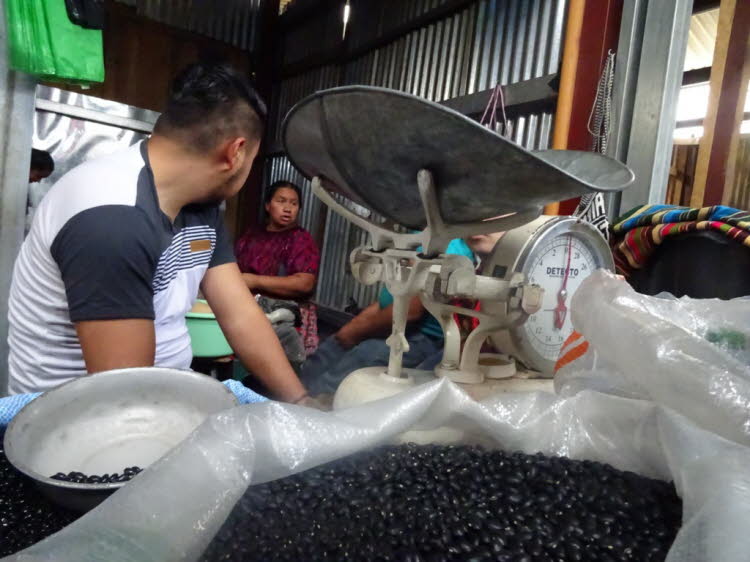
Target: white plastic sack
x=658 y=349
x=173 y=509
x=693 y=430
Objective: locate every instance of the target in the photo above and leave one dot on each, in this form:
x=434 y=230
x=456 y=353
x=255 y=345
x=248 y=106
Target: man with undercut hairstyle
x=120 y=246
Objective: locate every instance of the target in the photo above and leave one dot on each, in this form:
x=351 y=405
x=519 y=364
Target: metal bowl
x=103 y=423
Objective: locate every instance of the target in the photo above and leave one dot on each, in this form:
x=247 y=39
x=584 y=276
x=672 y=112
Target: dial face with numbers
x=558 y=254
x=558 y=265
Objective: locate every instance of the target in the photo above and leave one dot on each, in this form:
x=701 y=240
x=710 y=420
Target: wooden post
x=679 y=185
x=592 y=30
x=266 y=59
x=568 y=72
x=729 y=76
x=734 y=144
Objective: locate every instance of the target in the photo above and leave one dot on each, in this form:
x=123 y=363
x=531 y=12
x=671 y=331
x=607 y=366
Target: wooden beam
x=519 y=97
x=700 y=121
x=696 y=76
x=700 y=6
x=728 y=82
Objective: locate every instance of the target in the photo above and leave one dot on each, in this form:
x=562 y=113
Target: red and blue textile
x=636 y=234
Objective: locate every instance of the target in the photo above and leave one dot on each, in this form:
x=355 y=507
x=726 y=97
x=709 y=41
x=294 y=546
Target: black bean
x=452 y=503
x=26 y=516
x=81 y=478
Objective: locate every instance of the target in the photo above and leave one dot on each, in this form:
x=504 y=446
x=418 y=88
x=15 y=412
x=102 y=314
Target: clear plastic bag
x=690 y=355
x=173 y=509
x=154 y=518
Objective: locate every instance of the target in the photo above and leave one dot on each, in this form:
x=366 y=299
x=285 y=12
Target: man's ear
x=232 y=153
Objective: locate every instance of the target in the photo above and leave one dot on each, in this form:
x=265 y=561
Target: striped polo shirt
x=100 y=248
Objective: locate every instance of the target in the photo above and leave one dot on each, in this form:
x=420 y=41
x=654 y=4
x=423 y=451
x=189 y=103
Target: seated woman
x=280 y=259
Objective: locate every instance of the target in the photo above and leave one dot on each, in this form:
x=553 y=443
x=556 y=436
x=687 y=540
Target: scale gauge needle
x=561 y=310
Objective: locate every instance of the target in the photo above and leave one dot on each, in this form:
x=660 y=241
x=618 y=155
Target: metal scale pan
x=370 y=143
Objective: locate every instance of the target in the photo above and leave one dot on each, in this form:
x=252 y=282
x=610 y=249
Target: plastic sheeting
x=691 y=355
x=154 y=519
x=98 y=131
x=10 y=406
x=75 y=128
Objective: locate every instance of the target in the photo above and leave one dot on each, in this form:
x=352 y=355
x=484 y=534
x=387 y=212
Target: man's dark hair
x=210 y=102
x=275 y=186
x=41 y=161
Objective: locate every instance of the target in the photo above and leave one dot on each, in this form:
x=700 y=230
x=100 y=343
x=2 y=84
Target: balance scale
x=434 y=171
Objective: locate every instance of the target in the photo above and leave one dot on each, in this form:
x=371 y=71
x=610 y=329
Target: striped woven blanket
x=636 y=234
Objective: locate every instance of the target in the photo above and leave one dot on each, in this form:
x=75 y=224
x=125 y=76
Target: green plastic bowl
x=206 y=337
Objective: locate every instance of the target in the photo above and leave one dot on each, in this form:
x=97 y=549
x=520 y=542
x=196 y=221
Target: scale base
x=373 y=383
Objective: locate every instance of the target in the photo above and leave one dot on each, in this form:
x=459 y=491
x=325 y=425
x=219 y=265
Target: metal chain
x=592 y=207
x=601 y=113
x=610 y=73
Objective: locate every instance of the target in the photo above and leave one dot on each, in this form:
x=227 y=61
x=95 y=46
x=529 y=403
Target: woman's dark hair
x=210 y=102
x=42 y=161
x=275 y=186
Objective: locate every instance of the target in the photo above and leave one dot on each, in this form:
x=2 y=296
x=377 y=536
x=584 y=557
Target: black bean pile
x=26 y=516
x=81 y=478
x=441 y=503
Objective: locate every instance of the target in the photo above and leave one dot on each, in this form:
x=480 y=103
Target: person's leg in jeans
x=315 y=368
x=323 y=372
x=324 y=376
x=421 y=349
x=293 y=344
x=431 y=362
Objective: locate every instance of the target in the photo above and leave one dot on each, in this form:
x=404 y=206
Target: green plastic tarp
x=44 y=42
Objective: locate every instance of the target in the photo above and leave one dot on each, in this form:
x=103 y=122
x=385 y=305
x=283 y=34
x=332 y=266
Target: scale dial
x=556 y=253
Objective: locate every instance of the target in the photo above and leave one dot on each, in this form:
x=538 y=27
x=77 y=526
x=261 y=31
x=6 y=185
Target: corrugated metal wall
x=231 y=21
x=371 y=20
x=336 y=285
x=490 y=42
x=294 y=89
